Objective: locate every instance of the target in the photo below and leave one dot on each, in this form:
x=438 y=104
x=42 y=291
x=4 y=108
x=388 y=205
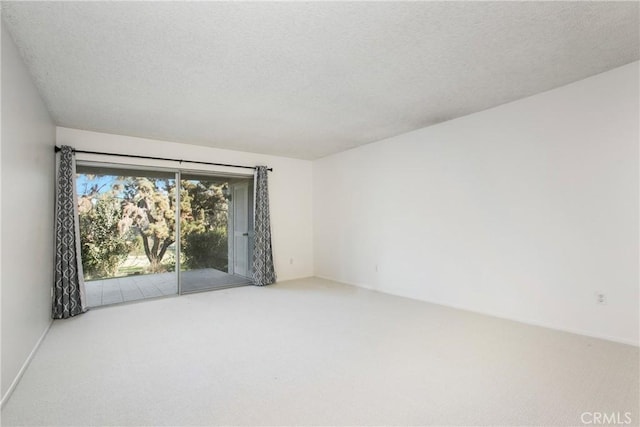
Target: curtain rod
x=161 y=158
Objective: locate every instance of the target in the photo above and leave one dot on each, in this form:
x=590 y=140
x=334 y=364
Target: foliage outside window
x=133 y=218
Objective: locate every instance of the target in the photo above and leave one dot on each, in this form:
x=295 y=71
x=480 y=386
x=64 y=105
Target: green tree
x=204 y=227
x=138 y=213
x=149 y=209
x=104 y=246
x=205 y=250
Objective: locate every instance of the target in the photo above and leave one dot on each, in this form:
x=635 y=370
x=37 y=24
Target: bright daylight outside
x=128 y=233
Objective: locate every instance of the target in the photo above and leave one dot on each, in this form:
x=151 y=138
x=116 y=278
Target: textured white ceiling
x=305 y=79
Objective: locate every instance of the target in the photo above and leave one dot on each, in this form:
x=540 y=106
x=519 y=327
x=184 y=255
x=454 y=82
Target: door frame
x=178 y=177
x=231 y=226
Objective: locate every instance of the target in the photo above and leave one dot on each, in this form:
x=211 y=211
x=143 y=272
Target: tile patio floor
x=131 y=288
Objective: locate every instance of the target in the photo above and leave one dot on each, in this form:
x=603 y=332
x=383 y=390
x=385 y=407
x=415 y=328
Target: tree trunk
x=145 y=243
x=156 y=252
x=165 y=246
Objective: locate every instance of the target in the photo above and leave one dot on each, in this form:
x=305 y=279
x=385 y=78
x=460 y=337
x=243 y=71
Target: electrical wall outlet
x=601 y=298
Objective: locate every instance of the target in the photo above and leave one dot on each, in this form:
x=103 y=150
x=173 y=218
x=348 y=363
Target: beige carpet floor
x=314 y=352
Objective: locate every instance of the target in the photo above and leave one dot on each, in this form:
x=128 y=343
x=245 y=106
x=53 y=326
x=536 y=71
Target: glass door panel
x=127 y=233
x=215 y=234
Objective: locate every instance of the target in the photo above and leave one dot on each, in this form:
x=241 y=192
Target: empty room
x=320 y=213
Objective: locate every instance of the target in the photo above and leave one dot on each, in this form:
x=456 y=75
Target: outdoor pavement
x=136 y=287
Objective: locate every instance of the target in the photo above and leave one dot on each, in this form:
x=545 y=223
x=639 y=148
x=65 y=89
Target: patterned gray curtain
x=263 y=272
x=68 y=290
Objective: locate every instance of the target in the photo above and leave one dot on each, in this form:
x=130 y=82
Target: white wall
x=523 y=211
x=290 y=186
x=28 y=174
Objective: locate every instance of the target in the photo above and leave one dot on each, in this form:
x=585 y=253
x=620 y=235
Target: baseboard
x=530 y=322
x=499 y=316
x=24 y=367
x=288 y=279
x=360 y=285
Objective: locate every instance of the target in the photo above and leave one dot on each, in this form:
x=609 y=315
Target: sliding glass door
x=215 y=232
x=129 y=234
